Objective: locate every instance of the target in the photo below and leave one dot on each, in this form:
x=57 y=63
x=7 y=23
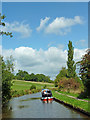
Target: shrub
x=32 y=87
x=83 y=94
x=70 y=83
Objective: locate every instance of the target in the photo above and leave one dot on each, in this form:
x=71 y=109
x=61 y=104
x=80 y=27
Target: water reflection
x=23 y=106
x=7 y=111
x=28 y=99
x=48 y=101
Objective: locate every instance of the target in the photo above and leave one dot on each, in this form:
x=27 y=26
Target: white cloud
x=48 y=62
x=59 y=26
x=78 y=53
x=17 y=27
x=42 y=23
x=82 y=43
x=62 y=25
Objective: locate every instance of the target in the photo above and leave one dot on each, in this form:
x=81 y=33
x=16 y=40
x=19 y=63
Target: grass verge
x=73 y=94
x=16 y=93
x=82 y=105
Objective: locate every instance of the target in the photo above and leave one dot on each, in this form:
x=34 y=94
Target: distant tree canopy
x=23 y=75
x=70 y=63
x=3 y=24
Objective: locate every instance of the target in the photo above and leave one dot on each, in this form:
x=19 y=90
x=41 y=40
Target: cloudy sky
x=41 y=32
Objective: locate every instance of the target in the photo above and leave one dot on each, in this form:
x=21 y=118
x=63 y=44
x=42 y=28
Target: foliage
x=7 y=68
x=10 y=63
x=7 y=77
x=17 y=93
x=33 y=87
x=70 y=63
x=62 y=73
x=27 y=77
x=6 y=85
x=33 y=77
x=68 y=84
x=3 y=24
x=23 y=75
x=85 y=72
x=42 y=77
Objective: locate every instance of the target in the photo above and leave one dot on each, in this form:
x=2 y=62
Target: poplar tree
x=70 y=63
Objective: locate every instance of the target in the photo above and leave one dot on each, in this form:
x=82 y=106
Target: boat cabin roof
x=45 y=90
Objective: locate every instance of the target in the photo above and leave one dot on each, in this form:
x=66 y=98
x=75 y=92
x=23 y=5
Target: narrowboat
x=46 y=95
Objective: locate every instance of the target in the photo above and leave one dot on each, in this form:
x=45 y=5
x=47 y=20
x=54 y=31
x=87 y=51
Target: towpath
x=72 y=97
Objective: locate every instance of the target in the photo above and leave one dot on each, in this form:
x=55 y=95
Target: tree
x=21 y=75
x=62 y=73
x=7 y=77
x=27 y=77
x=85 y=72
x=6 y=68
x=10 y=63
x=70 y=63
x=33 y=77
x=3 y=24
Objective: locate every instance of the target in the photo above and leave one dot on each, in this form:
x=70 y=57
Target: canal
x=30 y=106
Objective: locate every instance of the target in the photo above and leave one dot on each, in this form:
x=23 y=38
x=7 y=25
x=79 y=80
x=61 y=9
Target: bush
x=83 y=94
x=70 y=83
x=32 y=87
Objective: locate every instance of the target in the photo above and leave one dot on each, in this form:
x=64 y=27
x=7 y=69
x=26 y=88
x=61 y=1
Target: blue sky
x=45 y=28
x=31 y=13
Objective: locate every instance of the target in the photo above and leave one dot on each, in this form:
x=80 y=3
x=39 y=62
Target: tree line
x=24 y=75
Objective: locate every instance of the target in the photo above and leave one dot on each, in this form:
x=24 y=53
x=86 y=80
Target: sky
x=41 y=32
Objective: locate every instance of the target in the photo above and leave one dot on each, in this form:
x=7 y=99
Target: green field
x=19 y=85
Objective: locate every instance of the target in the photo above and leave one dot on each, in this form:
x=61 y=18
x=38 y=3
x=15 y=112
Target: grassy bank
x=20 y=87
x=82 y=105
x=73 y=94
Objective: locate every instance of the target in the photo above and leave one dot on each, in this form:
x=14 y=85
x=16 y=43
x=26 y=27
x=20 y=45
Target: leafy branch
x=3 y=24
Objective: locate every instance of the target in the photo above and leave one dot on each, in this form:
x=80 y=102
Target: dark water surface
x=30 y=106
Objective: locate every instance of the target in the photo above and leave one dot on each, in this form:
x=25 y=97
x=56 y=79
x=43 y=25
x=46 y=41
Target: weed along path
x=31 y=106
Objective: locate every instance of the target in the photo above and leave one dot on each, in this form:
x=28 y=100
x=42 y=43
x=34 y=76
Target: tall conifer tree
x=70 y=63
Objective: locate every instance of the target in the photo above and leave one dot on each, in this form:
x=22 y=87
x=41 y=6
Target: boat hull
x=47 y=98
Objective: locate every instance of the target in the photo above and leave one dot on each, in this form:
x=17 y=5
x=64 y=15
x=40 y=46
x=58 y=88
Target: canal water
x=30 y=106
